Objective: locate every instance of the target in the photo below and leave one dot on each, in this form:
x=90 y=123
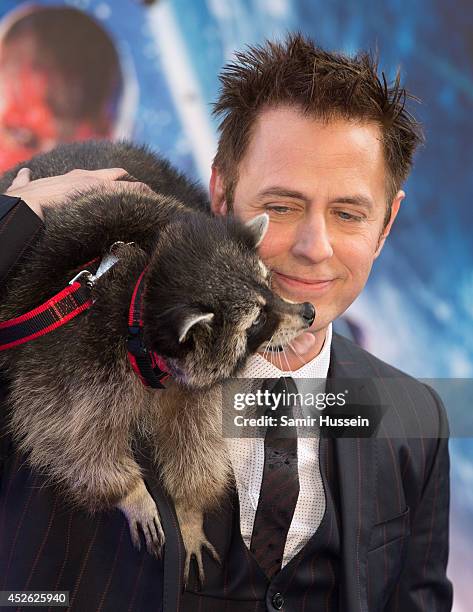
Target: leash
x=50 y=315
x=57 y=311
x=75 y=299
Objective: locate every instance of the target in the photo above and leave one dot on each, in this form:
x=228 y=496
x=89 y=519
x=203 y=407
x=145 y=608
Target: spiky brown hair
x=321 y=84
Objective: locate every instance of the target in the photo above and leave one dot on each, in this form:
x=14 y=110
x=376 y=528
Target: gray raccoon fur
x=77 y=405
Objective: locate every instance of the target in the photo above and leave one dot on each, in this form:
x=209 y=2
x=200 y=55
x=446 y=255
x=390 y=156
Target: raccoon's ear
x=258 y=226
x=191 y=320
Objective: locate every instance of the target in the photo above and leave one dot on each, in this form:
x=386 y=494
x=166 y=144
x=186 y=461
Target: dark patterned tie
x=280 y=483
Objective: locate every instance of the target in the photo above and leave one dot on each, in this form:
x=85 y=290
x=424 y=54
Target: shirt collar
x=258 y=367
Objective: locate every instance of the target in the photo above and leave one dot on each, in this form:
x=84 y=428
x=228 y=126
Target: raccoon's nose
x=308 y=313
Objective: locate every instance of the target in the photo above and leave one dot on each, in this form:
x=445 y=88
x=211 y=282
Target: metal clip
x=89 y=281
x=107 y=262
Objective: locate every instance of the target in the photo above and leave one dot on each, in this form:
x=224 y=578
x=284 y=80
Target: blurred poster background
x=148 y=71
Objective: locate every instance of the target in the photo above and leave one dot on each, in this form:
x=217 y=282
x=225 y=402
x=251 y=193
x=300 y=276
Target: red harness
x=69 y=303
x=149 y=366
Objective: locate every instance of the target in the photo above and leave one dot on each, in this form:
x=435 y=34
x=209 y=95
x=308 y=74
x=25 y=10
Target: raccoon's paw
x=141 y=511
x=195 y=548
x=193 y=536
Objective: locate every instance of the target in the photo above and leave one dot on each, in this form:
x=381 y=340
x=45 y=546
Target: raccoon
x=77 y=403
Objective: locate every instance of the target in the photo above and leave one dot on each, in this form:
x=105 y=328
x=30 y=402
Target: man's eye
x=345 y=216
x=279 y=210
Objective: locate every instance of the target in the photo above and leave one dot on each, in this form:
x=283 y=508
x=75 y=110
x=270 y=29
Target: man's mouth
x=320 y=284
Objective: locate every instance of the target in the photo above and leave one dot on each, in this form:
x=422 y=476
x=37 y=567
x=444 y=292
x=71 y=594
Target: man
x=315 y=140
x=54 y=87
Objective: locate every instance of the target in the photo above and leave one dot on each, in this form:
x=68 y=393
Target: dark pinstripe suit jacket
x=394 y=499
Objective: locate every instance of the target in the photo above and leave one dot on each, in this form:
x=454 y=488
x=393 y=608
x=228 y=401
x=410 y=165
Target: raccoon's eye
x=260 y=319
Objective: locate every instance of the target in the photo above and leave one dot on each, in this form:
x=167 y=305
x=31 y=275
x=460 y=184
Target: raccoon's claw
x=197 y=553
x=153 y=534
x=140 y=511
x=193 y=536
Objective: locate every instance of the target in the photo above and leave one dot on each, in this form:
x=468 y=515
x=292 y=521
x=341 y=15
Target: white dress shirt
x=247 y=457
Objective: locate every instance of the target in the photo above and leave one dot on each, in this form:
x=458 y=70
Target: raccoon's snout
x=308 y=313
x=293 y=320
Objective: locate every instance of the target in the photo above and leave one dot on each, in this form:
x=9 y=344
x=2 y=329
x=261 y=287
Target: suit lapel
x=356 y=459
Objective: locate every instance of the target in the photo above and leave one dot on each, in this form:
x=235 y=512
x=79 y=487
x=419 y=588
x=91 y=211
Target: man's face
x=323 y=186
x=28 y=125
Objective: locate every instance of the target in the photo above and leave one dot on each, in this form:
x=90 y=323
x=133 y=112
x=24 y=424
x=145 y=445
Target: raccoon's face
x=208 y=302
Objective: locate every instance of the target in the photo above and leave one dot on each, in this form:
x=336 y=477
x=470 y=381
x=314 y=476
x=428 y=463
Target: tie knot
x=280 y=394
x=280 y=399
x=283 y=385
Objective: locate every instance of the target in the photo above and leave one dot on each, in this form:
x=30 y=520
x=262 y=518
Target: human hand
x=53 y=190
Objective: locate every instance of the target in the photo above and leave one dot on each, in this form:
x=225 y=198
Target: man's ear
x=218 y=203
x=399 y=197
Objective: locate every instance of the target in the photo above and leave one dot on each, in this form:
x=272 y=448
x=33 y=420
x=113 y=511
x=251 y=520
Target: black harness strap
x=148 y=365
x=55 y=312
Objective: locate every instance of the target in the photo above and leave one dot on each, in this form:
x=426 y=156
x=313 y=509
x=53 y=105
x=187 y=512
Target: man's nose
x=313 y=241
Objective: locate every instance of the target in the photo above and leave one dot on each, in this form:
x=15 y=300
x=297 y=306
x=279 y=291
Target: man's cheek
x=359 y=276
x=358 y=254
x=274 y=244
